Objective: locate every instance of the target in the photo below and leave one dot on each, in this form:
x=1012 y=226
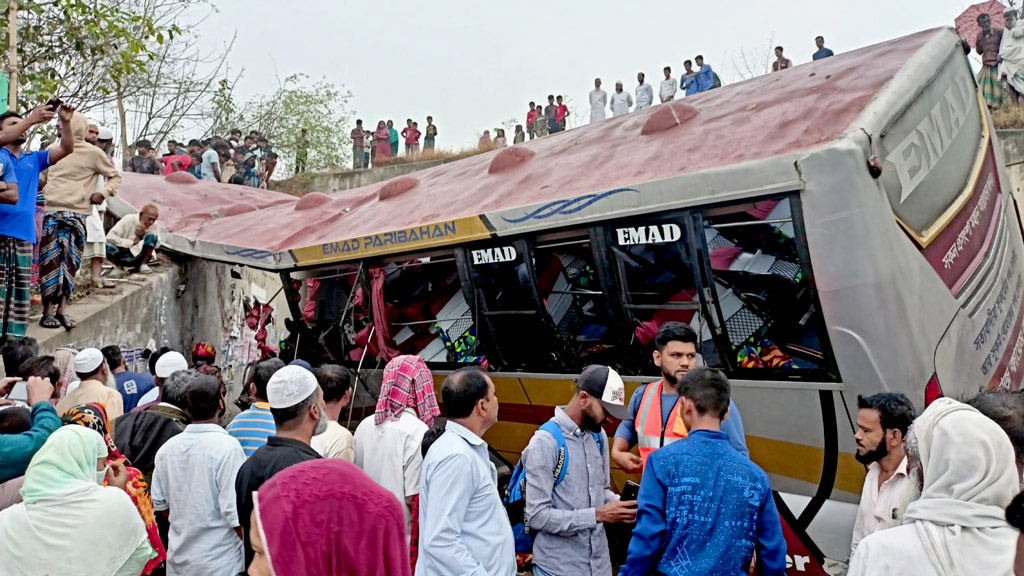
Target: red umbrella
x=967 y=23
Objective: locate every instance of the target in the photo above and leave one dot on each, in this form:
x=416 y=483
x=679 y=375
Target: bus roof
x=537 y=183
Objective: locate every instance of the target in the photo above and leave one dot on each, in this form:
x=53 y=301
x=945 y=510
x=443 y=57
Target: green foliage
x=320 y=108
x=83 y=50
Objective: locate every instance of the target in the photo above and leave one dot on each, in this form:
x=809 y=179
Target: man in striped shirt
x=252 y=427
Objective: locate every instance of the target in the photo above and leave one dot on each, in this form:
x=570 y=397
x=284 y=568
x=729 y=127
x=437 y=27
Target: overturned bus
x=841 y=228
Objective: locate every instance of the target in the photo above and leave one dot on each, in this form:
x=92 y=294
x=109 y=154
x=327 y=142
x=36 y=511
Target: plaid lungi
x=991 y=85
x=40 y=215
x=60 y=254
x=15 y=286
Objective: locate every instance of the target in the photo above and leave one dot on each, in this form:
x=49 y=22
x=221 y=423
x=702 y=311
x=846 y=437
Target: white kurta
x=598 y=100
x=621 y=103
x=668 y=89
x=644 y=96
x=1012 y=52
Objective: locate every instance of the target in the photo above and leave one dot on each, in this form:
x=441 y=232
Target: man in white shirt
x=194 y=487
x=598 y=100
x=667 y=93
x=644 y=93
x=622 y=101
x=388 y=442
x=464 y=528
x=962 y=463
x=882 y=423
x=336 y=441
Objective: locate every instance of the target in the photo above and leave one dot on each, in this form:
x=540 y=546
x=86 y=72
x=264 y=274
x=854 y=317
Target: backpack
x=717 y=82
x=515 y=494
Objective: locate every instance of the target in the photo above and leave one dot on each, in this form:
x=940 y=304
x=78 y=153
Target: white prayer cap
x=105 y=133
x=289 y=386
x=169 y=363
x=88 y=360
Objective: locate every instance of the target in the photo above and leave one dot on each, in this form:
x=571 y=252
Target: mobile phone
x=630 y=491
x=53 y=103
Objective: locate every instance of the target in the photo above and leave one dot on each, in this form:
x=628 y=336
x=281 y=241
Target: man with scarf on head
x=965 y=465
x=567 y=518
x=19 y=229
x=71 y=193
x=297 y=404
x=203 y=357
x=882 y=424
x=388 y=443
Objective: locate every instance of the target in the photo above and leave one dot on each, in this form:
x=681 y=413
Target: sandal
x=49 y=321
x=100 y=283
x=66 y=321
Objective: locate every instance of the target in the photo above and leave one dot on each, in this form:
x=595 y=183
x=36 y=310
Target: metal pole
x=12 y=55
x=359 y=368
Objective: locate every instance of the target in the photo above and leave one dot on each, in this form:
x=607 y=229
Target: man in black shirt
x=297 y=405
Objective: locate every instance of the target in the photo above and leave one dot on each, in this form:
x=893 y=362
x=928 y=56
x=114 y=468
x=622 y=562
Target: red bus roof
x=779 y=114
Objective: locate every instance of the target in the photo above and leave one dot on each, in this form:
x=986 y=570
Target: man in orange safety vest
x=656 y=421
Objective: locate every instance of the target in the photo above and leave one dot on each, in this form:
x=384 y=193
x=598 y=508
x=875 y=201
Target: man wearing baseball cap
x=567 y=518
x=92 y=369
x=297 y=404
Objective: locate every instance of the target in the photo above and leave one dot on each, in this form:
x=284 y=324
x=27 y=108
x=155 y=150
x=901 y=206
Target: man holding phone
x=567 y=517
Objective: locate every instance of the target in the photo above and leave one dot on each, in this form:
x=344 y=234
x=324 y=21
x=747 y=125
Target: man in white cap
x=297 y=405
x=168 y=363
x=567 y=516
x=621 y=100
x=92 y=370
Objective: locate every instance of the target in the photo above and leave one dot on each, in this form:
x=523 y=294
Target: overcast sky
x=473 y=64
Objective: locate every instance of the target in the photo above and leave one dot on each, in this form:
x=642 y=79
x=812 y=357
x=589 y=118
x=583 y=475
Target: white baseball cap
x=169 y=363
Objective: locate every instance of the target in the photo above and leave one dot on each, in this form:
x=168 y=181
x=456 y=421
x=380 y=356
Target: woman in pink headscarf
x=327 y=518
x=382 y=141
x=388 y=444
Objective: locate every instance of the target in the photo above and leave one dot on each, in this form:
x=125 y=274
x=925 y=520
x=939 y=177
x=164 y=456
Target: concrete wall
x=1012 y=144
x=339 y=180
x=208 y=309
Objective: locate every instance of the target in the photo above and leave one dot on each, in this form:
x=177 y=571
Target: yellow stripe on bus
x=456 y=231
x=796 y=461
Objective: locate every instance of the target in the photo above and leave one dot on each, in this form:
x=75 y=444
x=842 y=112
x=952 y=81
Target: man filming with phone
x=568 y=494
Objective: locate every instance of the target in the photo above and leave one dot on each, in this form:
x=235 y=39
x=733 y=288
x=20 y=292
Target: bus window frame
x=690 y=220
x=482 y=315
x=446 y=255
x=829 y=372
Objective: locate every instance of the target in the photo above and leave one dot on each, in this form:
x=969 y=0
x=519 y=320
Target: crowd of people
x=161 y=473
x=248 y=161
x=368 y=146
x=1001 y=78
x=52 y=211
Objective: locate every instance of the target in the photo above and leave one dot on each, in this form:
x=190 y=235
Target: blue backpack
x=515 y=494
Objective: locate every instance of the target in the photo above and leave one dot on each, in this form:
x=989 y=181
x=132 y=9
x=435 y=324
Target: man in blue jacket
x=703 y=508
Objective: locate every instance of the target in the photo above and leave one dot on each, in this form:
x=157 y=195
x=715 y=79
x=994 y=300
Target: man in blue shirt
x=705 y=75
x=18 y=216
x=463 y=525
x=676 y=354
x=703 y=508
x=822 y=51
x=131 y=385
x=688 y=82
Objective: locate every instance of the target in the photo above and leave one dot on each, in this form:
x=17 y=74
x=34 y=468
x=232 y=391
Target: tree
x=176 y=87
x=756 y=61
x=320 y=108
x=80 y=50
